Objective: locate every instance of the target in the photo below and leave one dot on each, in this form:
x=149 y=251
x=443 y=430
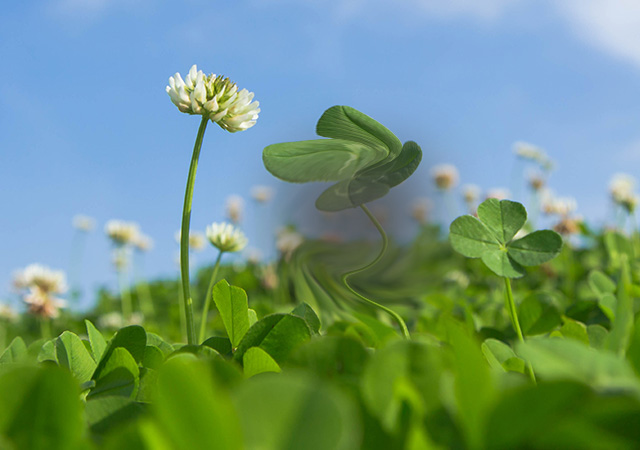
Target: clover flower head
x=121 y=232
x=269 y=276
x=560 y=206
x=288 y=240
x=254 y=256
x=471 y=193
x=215 y=97
x=143 y=243
x=420 y=209
x=83 y=223
x=445 y=176
x=196 y=240
x=46 y=280
x=41 y=303
x=262 y=194
x=536 y=181
x=8 y=313
x=530 y=152
x=622 y=188
x=498 y=193
x=234 y=208
x=225 y=237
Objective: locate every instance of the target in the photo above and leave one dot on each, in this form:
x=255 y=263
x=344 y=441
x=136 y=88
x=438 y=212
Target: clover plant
x=491 y=237
x=362 y=156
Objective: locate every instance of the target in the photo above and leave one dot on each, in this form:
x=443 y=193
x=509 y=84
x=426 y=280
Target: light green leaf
x=472 y=238
x=503 y=217
x=193 y=411
x=311 y=415
x=255 y=361
x=72 y=355
x=536 y=248
x=97 y=341
x=309 y=315
x=40 y=408
x=132 y=338
x=119 y=376
x=15 y=352
x=501 y=264
x=601 y=283
x=538 y=315
x=232 y=304
x=277 y=334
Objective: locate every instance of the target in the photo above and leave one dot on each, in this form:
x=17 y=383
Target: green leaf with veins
x=364 y=157
x=490 y=238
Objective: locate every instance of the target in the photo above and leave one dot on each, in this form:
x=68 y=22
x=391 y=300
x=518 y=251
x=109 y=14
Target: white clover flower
x=288 y=240
x=41 y=303
x=536 y=181
x=561 y=206
x=120 y=260
x=529 y=151
x=121 y=232
x=234 y=208
x=498 y=193
x=420 y=209
x=254 y=256
x=262 y=194
x=196 y=240
x=225 y=237
x=622 y=188
x=445 y=176
x=111 y=320
x=471 y=193
x=83 y=223
x=8 y=313
x=215 y=97
x=38 y=276
x=143 y=243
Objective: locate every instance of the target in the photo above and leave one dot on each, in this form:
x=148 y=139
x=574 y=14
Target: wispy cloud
x=611 y=26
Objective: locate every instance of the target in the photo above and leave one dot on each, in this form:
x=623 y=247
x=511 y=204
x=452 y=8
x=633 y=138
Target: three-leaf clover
x=363 y=156
x=490 y=238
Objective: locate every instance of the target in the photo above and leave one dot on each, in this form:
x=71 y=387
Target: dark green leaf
x=503 y=217
x=536 y=248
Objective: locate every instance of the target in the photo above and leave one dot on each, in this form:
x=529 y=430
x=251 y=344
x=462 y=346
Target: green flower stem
x=207 y=299
x=143 y=291
x=45 y=327
x=125 y=297
x=184 y=237
x=346 y=276
x=511 y=306
x=75 y=264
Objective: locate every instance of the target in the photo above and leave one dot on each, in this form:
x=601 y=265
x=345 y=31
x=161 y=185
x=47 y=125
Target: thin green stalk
x=142 y=288
x=45 y=327
x=511 y=307
x=207 y=299
x=345 y=277
x=75 y=264
x=125 y=297
x=184 y=237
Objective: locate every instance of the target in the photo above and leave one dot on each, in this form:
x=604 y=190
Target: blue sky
x=86 y=127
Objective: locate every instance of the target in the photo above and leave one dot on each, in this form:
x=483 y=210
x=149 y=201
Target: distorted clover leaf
x=364 y=157
x=490 y=238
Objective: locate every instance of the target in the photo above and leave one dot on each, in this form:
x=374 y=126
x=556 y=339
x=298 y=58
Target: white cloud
x=610 y=25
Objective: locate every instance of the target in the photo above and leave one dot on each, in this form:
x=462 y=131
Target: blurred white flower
x=471 y=193
x=38 y=276
x=498 y=193
x=225 y=237
x=536 y=181
x=234 y=208
x=83 y=223
x=8 y=313
x=288 y=240
x=561 y=206
x=196 y=240
x=215 y=97
x=120 y=260
x=445 y=176
x=269 y=277
x=253 y=255
x=43 y=304
x=420 y=209
x=621 y=188
x=143 y=243
x=262 y=194
x=121 y=232
x=110 y=320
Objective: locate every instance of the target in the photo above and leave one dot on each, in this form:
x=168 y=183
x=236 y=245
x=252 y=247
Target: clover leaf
x=490 y=238
x=364 y=157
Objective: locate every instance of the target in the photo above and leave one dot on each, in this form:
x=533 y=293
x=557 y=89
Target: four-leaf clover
x=490 y=238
